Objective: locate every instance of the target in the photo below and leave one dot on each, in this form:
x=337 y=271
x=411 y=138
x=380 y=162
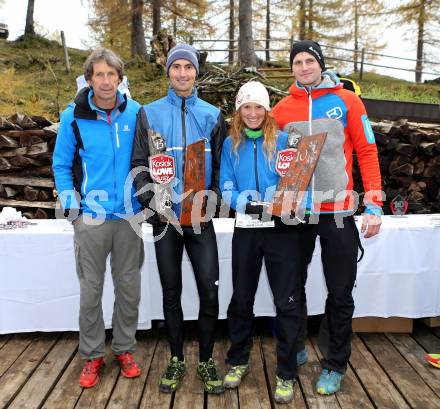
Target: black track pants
x=279 y=248
x=202 y=252
x=339 y=249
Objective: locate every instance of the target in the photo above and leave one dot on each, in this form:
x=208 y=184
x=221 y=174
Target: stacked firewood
x=26 y=180
x=409 y=156
x=220 y=86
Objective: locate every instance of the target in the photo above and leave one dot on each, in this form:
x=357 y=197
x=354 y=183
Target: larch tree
x=247 y=54
x=366 y=17
x=29 y=28
x=186 y=19
x=424 y=17
x=156 y=6
x=138 y=46
x=109 y=25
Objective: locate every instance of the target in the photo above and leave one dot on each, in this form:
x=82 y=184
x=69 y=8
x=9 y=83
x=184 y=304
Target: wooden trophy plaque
x=296 y=177
x=192 y=210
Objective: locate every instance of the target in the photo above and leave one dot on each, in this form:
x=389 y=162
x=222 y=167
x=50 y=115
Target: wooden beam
x=24 y=161
x=29 y=132
x=25 y=181
x=32 y=150
x=24 y=203
x=4 y=164
x=7 y=142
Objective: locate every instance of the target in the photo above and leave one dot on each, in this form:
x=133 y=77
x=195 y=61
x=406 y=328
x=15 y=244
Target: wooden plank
x=24 y=203
x=254 y=391
x=270 y=360
x=12 y=350
x=98 y=396
x=24 y=161
x=426 y=338
x=308 y=375
x=152 y=398
x=351 y=394
x=17 y=375
x=436 y=331
x=380 y=324
x=191 y=393
x=415 y=354
x=128 y=392
x=432 y=322
x=409 y=383
x=67 y=391
x=26 y=181
x=43 y=379
x=375 y=380
x=33 y=150
x=4 y=164
x=7 y=142
x=229 y=399
x=4 y=339
x=18 y=134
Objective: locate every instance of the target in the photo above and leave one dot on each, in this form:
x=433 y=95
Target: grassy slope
x=30 y=71
x=33 y=72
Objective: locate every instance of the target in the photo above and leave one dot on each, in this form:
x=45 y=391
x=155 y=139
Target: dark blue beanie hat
x=184 y=52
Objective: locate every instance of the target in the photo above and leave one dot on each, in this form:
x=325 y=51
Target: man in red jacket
x=318 y=103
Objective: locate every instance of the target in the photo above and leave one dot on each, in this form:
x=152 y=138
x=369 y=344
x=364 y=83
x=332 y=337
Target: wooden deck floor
x=386 y=371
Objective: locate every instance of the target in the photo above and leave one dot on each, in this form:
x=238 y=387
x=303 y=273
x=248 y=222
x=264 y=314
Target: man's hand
x=370 y=225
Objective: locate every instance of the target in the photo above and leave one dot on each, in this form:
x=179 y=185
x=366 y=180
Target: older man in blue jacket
x=91 y=163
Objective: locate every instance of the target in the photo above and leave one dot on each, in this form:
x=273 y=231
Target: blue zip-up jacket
x=180 y=121
x=248 y=175
x=92 y=158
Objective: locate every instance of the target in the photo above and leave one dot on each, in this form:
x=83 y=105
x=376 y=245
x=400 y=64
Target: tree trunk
x=29 y=29
x=356 y=36
x=310 y=21
x=246 y=41
x=267 y=30
x=156 y=16
x=231 y=32
x=420 y=40
x=302 y=19
x=138 y=46
x=174 y=19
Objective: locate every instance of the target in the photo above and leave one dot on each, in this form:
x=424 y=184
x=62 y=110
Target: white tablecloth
x=398 y=276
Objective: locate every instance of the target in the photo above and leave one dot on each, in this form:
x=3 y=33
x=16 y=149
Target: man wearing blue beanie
x=184 y=52
x=164 y=130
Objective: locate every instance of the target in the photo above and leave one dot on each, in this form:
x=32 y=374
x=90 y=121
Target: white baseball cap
x=252 y=91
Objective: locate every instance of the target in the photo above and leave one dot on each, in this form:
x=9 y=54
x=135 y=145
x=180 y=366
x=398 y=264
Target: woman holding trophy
x=253 y=158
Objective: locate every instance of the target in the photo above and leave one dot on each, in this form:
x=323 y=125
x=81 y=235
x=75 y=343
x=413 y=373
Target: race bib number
x=246 y=221
x=162 y=168
x=284 y=159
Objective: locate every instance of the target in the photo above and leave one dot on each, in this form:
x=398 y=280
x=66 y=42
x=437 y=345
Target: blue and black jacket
x=248 y=175
x=180 y=121
x=92 y=157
